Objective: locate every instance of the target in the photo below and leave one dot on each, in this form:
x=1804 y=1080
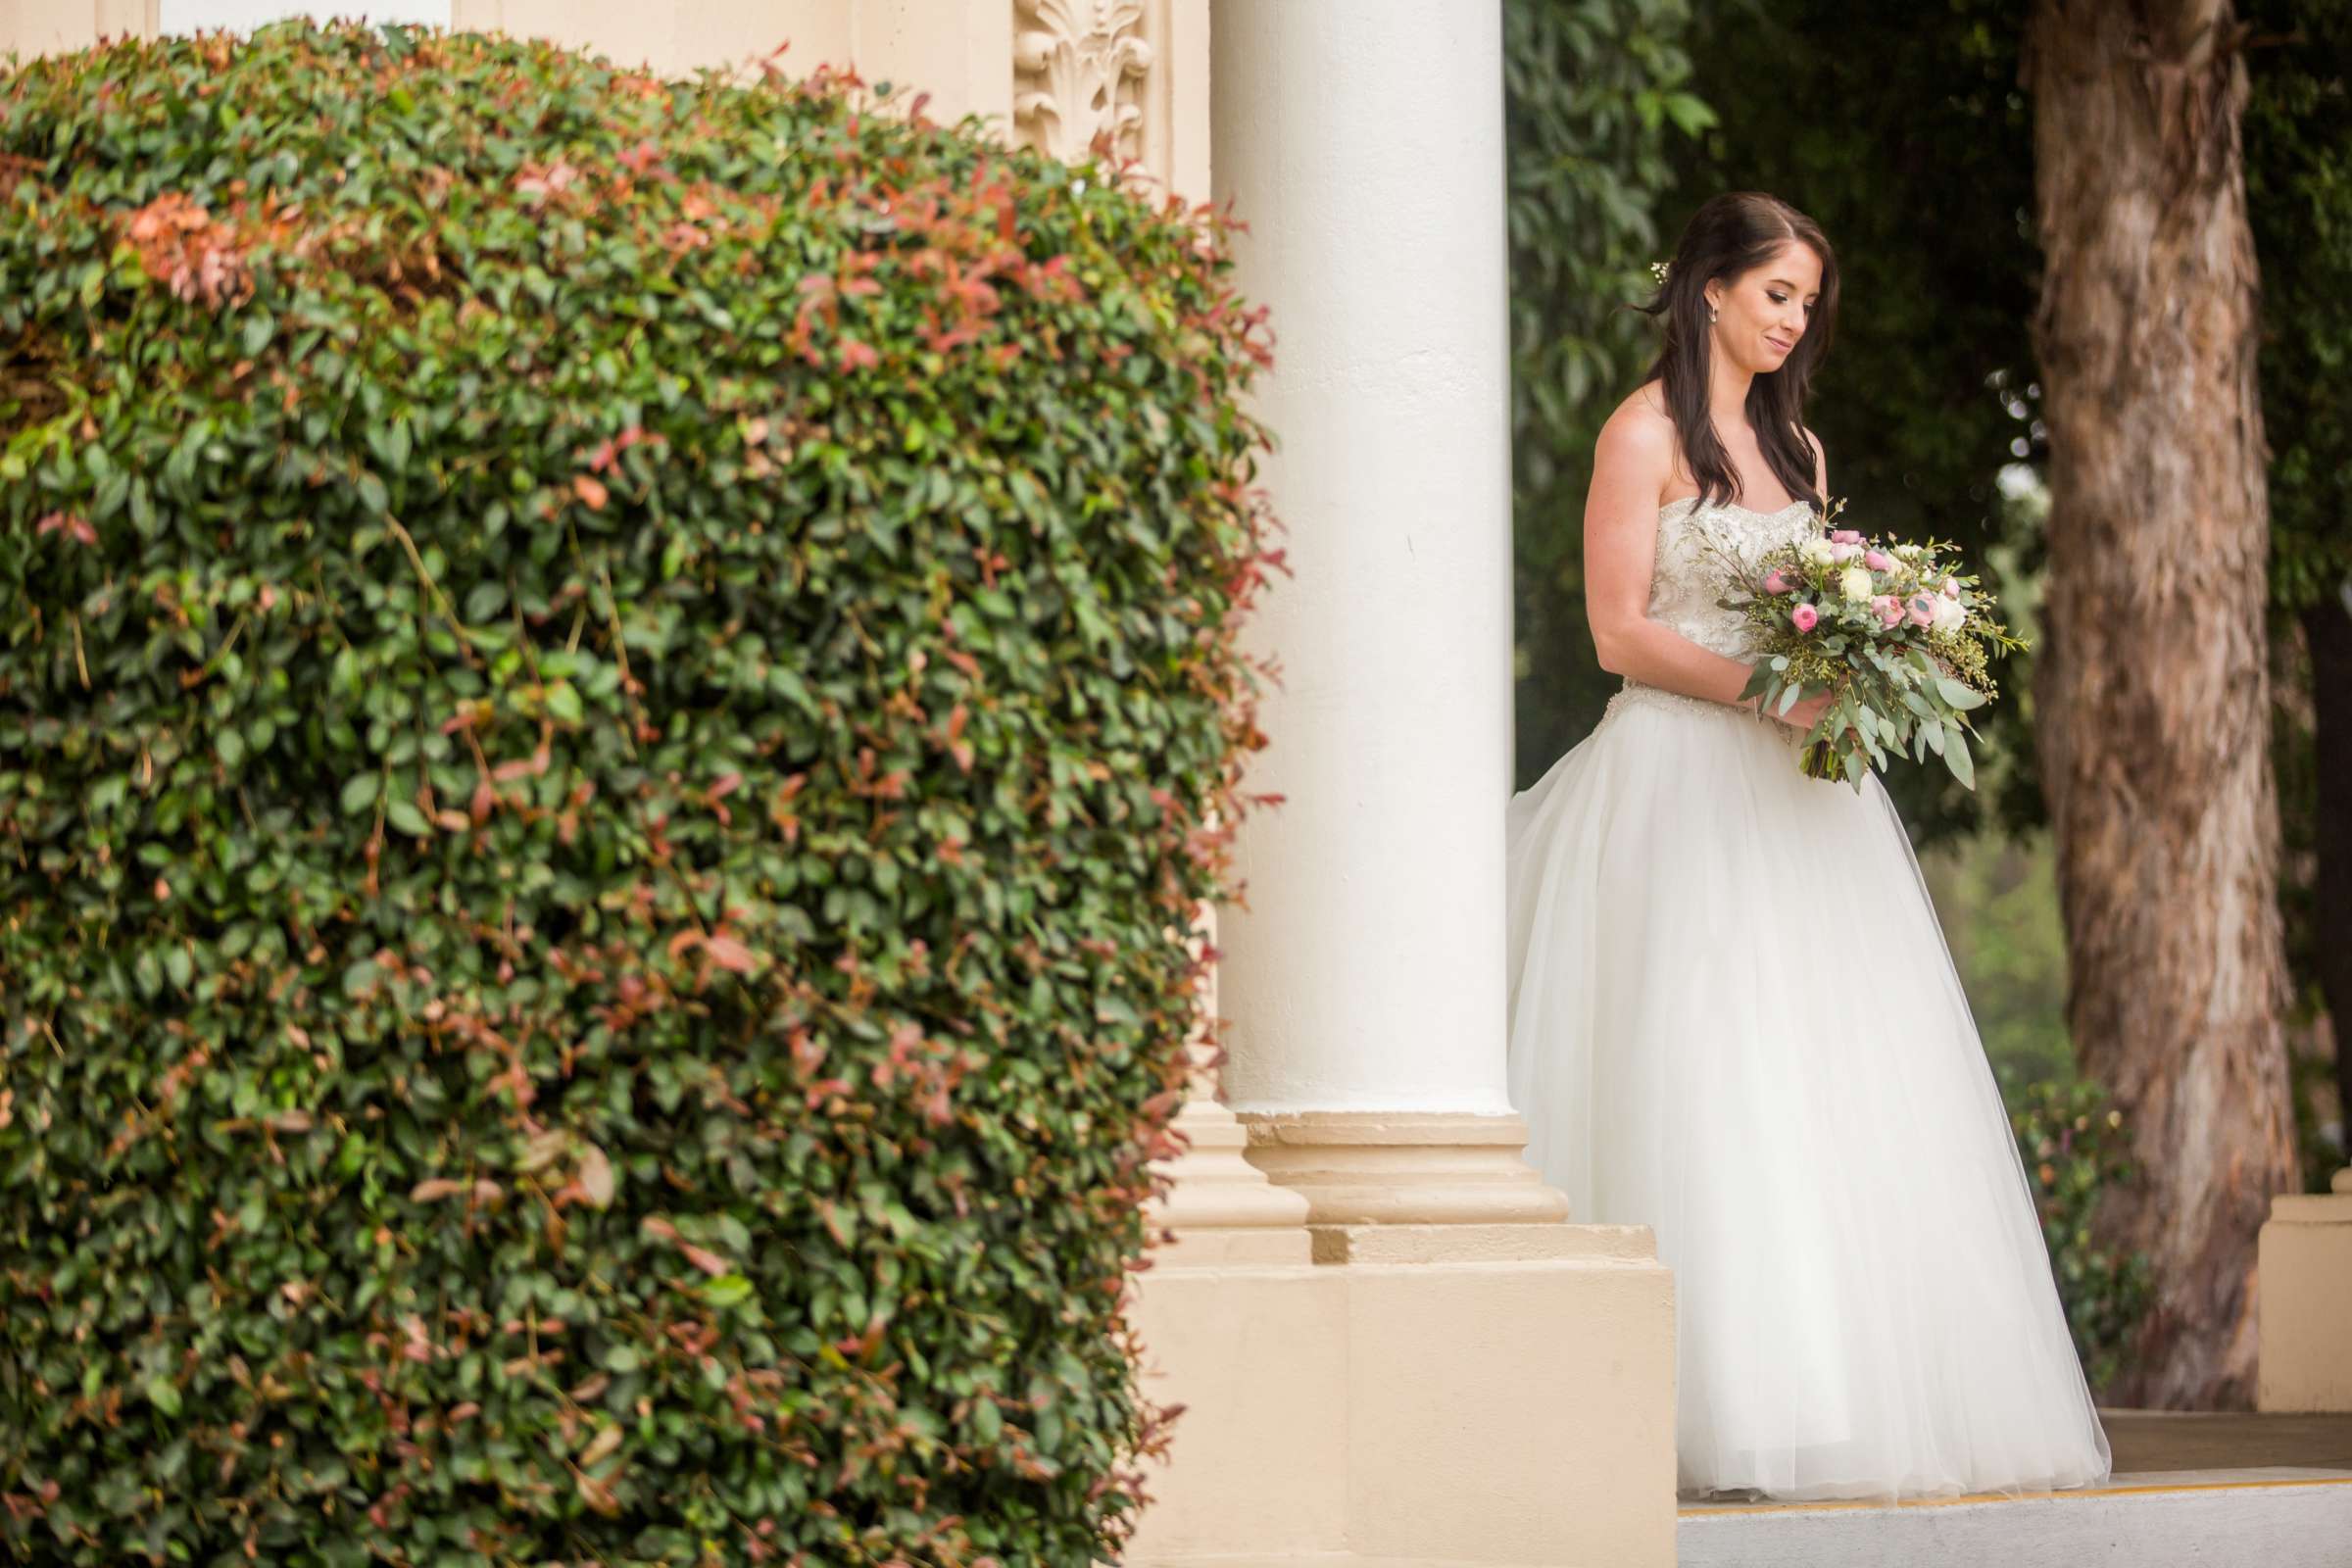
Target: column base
x=1424 y=1169
x=2304 y=1302
x=1222 y=1209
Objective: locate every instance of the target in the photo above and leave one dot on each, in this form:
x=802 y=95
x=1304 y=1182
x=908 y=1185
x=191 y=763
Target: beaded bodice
x=1687 y=579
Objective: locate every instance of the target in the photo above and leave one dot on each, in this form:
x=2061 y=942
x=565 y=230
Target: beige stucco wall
x=44 y=26
x=936 y=46
x=1052 y=73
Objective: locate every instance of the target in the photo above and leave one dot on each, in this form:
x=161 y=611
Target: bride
x=1732 y=1017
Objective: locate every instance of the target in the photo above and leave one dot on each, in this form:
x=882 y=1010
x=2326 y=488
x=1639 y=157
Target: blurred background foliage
x=2298 y=138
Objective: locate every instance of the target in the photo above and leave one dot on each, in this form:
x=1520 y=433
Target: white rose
x=1909 y=552
x=1950 y=614
x=1815 y=552
x=1856 y=584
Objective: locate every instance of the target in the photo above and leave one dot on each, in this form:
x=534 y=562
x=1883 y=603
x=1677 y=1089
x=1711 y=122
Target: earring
x=1710 y=312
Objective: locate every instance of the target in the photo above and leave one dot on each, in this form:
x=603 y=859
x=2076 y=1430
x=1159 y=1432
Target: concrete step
x=2282 y=1516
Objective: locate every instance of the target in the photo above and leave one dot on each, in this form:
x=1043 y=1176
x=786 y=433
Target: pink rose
x=1844 y=536
x=1774 y=582
x=1889 y=608
x=1951 y=587
x=1923 y=610
x=1878 y=561
x=1805 y=616
x=1845 y=550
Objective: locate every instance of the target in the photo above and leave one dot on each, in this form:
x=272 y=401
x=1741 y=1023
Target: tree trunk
x=2153 y=694
x=2328 y=629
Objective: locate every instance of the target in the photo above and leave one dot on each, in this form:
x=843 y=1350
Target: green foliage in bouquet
x=2075 y=1148
x=1897 y=635
x=615 y=698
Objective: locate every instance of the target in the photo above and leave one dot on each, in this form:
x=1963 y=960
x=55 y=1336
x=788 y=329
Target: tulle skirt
x=1734 y=1019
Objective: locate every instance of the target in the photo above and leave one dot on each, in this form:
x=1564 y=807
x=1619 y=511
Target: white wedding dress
x=1734 y=1019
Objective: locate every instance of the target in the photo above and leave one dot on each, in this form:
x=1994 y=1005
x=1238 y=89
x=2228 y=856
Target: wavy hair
x=1730 y=235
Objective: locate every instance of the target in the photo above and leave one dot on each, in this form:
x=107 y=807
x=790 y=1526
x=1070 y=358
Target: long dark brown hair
x=1730 y=235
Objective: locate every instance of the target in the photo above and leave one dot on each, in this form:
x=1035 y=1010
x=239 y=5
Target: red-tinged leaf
x=434 y=1189
x=596 y=1177
x=707 y=1260
x=856 y=356
x=727 y=785
x=601 y=1447
x=660 y=1228
x=590 y=490
x=531 y=766
x=729 y=955
x=597 y=1496
x=72 y=524
x=485 y=796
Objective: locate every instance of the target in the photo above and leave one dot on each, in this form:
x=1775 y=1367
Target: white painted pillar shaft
x=1361 y=141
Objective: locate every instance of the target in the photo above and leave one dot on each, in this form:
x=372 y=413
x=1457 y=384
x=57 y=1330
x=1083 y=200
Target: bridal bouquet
x=1898 y=634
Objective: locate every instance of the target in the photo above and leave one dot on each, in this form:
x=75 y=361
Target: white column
x=1361 y=141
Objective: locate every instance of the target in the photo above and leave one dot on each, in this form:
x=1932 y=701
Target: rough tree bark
x=2153 y=692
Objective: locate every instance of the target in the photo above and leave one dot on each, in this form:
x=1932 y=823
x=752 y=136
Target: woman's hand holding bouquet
x=1896 y=637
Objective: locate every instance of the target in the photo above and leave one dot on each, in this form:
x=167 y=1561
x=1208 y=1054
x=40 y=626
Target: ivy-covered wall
x=614 y=699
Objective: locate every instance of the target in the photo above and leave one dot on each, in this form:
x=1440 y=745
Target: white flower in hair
x=1658 y=270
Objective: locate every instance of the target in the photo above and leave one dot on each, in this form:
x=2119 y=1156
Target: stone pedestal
x=1417 y=1408
x=2304 y=1300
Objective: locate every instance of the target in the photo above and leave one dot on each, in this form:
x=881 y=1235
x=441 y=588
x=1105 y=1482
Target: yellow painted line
x=1840 y=1505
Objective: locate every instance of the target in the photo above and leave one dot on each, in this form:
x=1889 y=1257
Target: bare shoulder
x=1820 y=460
x=1640 y=435
x=1633 y=463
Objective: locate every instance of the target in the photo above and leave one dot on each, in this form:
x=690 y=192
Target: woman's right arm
x=1632 y=466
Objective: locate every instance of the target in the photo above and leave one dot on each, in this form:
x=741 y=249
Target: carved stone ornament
x=1078 y=71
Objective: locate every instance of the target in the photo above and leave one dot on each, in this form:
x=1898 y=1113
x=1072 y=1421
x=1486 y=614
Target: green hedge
x=613 y=700
x=2076 y=1151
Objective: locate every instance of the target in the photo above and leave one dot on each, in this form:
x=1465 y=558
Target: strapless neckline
x=1734 y=506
